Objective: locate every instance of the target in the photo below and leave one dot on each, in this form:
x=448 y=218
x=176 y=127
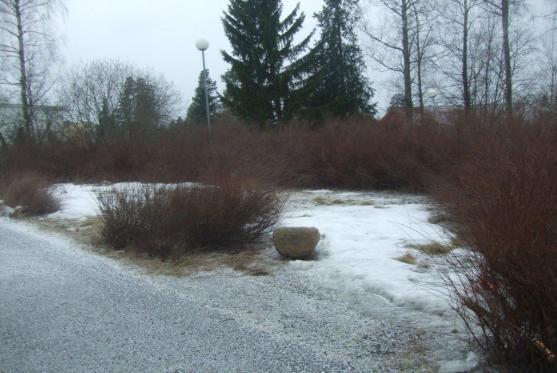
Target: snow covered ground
x=364 y=235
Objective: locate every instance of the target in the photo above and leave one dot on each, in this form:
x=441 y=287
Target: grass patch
x=408 y=258
x=325 y=201
x=434 y=248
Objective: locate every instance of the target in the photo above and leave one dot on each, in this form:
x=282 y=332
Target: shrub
x=353 y=154
x=171 y=220
x=32 y=192
x=504 y=199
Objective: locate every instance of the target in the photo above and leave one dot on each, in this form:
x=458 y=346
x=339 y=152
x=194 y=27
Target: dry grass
x=327 y=201
x=434 y=248
x=408 y=258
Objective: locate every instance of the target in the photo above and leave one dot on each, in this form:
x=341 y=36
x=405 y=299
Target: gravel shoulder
x=67 y=309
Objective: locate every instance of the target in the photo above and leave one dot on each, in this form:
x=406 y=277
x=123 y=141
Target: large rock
x=17 y=212
x=5 y=210
x=296 y=243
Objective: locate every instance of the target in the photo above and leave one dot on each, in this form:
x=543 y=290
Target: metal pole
x=205 y=79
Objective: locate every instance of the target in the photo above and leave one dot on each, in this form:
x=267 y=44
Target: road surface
x=66 y=309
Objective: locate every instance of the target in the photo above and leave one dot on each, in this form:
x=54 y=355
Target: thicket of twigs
x=31 y=191
x=172 y=220
x=504 y=199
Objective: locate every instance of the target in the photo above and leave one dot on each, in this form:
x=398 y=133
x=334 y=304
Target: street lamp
x=203 y=45
x=432 y=93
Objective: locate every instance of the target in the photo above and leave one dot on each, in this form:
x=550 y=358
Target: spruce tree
x=107 y=123
x=338 y=81
x=264 y=60
x=197 y=112
x=138 y=114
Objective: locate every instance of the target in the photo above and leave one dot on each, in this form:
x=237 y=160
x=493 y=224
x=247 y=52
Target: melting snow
x=363 y=234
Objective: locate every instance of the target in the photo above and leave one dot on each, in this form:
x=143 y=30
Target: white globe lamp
x=202 y=44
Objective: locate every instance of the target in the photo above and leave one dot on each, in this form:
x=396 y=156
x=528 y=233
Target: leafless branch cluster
x=474 y=54
x=28 y=51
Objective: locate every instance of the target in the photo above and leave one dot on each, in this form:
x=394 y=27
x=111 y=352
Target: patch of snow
x=79 y=202
x=361 y=243
x=76 y=201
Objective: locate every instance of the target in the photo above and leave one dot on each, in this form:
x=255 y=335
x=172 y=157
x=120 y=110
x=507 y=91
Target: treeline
x=272 y=78
x=472 y=55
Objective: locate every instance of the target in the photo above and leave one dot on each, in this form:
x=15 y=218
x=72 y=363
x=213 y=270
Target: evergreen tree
x=107 y=125
x=126 y=107
x=147 y=116
x=338 y=81
x=264 y=61
x=197 y=112
x=138 y=113
x=397 y=101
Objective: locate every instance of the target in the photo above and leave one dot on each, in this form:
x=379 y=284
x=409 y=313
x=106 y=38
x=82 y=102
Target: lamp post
x=432 y=93
x=203 y=45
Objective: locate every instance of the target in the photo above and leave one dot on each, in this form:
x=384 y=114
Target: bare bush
x=32 y=192
x=504 y=199
x=170 y=220
x=353 y=154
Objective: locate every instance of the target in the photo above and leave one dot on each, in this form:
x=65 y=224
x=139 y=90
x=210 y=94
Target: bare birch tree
x=459 y=21
x=423 y=41
x=396 y=43
x=502 y=8
x=28 y=49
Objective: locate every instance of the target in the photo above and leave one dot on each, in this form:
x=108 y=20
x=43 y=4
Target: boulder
x=6 y=211
x=296 y=243
x=17 y=212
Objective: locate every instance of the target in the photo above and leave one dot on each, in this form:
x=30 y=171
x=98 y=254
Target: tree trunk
x=409 y=105
x=340 y=47
x=465 y=78
x=23 y=78
x=487 y=70
x=419 y=60
x=2 y=141
x=507 y=57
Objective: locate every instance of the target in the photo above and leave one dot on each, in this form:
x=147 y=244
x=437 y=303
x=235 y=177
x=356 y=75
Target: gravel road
x=65 y=309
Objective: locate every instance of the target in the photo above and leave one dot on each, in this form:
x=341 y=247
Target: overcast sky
x=161 y=35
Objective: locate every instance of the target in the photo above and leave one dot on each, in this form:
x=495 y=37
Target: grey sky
x=161 y=35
